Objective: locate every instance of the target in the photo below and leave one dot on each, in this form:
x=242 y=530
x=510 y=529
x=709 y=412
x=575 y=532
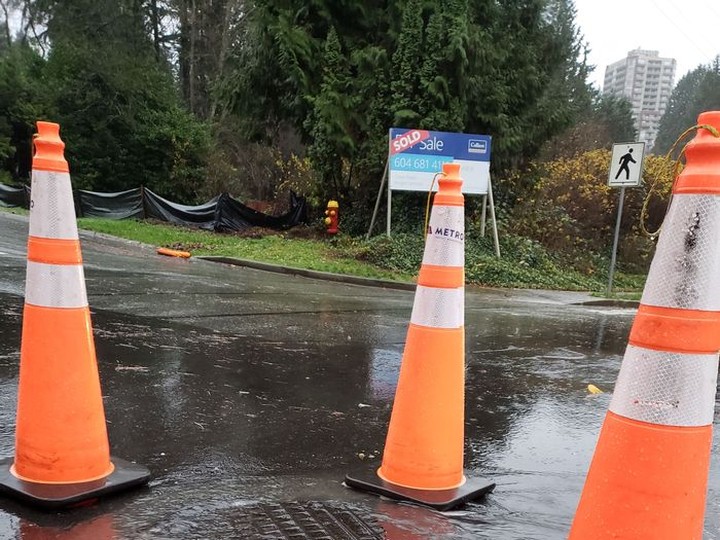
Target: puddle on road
x=224 y=420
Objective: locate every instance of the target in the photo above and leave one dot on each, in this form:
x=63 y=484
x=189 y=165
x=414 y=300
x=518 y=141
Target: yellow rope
x=675 y=172
x=427 y=207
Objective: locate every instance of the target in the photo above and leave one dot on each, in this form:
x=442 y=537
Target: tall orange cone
x=648 y=478
x=62 y=455
x=423 y=457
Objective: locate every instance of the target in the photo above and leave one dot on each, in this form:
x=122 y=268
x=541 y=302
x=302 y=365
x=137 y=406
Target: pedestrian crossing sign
x=627 y=164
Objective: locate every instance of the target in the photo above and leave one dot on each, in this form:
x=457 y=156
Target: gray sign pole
x=377 y=201
x=483 y=216
x=496 y=240
x=389 y=208
x=613 y=259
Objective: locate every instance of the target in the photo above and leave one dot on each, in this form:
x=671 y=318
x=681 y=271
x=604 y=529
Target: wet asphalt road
x=237 y=386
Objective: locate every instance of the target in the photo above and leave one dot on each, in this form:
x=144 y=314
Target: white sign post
x=626 y=166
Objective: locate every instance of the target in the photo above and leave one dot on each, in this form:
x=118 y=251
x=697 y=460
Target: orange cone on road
x=648 y=477
x=423 y=456
x=62 y=454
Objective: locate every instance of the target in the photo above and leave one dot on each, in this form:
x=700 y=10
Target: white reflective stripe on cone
x=52 y=210
x=445 y=241
x=55 y=285
x=684 y=270
x=666 y=388
x=438 y=307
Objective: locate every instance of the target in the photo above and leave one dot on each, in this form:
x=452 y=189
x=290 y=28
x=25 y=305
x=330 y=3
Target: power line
x=679 y=28
x=710 y=8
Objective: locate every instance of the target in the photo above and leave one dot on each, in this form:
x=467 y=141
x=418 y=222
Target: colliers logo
x=477 y=146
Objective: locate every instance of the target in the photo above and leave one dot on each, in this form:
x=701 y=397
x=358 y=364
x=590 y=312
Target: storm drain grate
x=305 y=521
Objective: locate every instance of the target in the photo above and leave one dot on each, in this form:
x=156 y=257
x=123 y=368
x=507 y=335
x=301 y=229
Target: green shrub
x=525 y=263
x=571 y=210
x=401 y=252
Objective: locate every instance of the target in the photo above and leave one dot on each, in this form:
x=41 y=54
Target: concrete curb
x=316 y=274
x=329 y=276
x=387 y=284
x=150 y=248
x=611 y=303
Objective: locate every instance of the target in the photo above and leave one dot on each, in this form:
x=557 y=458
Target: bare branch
x=5 y=8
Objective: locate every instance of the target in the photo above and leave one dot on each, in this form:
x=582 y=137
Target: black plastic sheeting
x=11 y=197
x=231 y=215
x=202 y=216
x=222 y=214
x=122 y=205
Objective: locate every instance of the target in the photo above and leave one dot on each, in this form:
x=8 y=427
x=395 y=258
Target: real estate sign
x=416 y=156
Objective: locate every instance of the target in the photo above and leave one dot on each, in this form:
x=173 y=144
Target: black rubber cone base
x=58 y=496
x=447 y=499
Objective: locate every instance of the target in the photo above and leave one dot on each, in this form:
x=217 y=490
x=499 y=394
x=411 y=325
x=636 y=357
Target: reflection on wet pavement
x=238 y=387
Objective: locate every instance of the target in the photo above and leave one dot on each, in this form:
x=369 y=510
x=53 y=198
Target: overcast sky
x=685 y=30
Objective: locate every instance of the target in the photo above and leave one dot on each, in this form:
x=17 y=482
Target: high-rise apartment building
x=646 y=80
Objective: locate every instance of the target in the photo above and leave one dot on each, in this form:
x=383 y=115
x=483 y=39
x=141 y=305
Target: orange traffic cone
x=648 y=478
x=62 y=455
x=423 y=457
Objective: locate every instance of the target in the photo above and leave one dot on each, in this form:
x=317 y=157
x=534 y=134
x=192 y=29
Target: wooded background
x=194 y=97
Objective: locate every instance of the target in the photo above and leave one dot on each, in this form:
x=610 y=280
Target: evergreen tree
x=679 y=114
x=527 y=75
x=616 y=114
x=707 y=97
x=696 y=92
x=607 y=120
x=117 y=105
x=405 y=84
x=567 y=95
x=23 y=100
x=331 y=120
x=443 y=98
x=512 y=69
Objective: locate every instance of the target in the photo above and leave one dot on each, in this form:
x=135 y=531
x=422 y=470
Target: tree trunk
x=193 y=57
x=155 y=22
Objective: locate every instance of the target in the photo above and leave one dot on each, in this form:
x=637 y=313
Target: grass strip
x=524 y=264
x=277 y=248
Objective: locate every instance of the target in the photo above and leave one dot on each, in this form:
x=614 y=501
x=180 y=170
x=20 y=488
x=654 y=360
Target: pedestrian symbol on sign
x=625 y=161
x=626 y=164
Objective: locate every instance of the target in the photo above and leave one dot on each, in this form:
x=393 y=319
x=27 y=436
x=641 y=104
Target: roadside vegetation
x=525 y=264
x=259 y=97
x=257 y=245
